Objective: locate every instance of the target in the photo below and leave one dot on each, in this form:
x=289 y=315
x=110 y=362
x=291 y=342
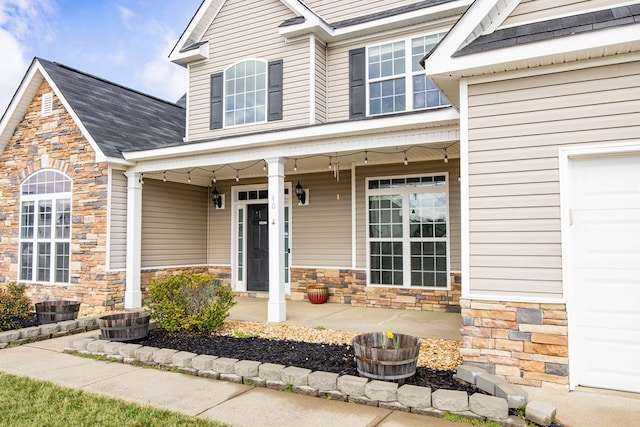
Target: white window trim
x=35 y=198
x=406 y=240
x=266 y=94
x=407 y=75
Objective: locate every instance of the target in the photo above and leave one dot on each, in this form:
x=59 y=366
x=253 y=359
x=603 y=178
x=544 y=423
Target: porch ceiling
x=203 y=175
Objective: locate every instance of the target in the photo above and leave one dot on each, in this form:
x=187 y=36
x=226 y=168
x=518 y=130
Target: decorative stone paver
x=409 y=398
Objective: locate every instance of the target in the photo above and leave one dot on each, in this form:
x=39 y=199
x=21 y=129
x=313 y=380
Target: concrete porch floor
x=424 y=324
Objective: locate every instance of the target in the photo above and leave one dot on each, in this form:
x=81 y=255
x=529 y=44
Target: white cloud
x=126 y=15
x=160 y=76
x=19 y=20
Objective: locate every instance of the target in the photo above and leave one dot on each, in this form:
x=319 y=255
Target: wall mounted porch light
x=217 y=198
x=301 y=194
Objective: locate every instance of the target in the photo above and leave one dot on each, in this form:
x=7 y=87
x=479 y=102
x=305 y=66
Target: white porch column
x=277 y=308
x=132 y=294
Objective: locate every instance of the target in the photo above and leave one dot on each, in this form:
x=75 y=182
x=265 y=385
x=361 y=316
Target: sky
x=124 y=41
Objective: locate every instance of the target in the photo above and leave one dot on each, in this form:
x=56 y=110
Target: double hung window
x=396 y=81
x=408 y=231
x=45 y=228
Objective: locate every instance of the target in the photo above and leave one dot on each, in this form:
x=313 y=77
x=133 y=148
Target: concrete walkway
x=242 y=405
x=222 y=401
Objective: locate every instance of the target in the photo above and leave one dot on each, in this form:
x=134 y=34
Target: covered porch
x=272 y=213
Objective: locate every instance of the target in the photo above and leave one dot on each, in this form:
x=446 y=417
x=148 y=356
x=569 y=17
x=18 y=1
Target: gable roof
x=111 y=117
x=191 y=47
x=475 y=47
x=552 y=28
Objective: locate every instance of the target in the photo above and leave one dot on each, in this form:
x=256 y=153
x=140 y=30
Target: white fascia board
x=325 y=131
x=191 y=55
x=329 y=34
x=457 y=36
x=99 y=155
x=471 y=64
x=445 y=135
x=19 y=104
x=196 y=28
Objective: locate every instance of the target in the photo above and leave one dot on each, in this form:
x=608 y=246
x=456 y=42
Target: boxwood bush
x=189 y=302
x=15 y=306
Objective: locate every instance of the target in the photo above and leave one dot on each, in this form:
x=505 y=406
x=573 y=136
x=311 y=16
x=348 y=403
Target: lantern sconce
x=217 y=199
x=301 y=194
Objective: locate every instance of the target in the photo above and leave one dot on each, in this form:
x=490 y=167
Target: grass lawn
x=26 y=402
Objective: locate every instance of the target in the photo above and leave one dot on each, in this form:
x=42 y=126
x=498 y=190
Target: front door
x=258 y=248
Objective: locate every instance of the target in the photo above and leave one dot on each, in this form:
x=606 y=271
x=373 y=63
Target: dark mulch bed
x=317 y=357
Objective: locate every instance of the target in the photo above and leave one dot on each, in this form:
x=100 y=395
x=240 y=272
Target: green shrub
x=191 y=302
x=15 y=306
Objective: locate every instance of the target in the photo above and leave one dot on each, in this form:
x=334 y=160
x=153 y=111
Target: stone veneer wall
x=349 y=287
x=525 y=342
x=58 y=137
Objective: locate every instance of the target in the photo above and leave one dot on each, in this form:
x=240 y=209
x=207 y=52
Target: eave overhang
x=446 y=73
x=336 y=32
x=426 y=119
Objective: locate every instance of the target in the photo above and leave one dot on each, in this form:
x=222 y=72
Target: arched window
x=45 y=228
x=245 y=93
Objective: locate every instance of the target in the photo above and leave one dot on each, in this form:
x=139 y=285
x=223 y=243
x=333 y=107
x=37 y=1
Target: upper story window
x=388 y=78
x=45 y=228
x=245 y=97
x=247 y=92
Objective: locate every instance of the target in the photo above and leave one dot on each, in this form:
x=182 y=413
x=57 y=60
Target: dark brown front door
x=258 y=248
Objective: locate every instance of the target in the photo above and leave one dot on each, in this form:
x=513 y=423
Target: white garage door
x=606 y=261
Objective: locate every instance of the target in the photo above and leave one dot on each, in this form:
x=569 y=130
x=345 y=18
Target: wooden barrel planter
x=318 y=294
x=124 y=326
x=377 y=357
x=56 y=311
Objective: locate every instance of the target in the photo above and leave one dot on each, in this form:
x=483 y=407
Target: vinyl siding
x=427 y=168
x=515 y=130
x=174 y=224
x=542 y=10
x=321 y=82
x=118 y=221
x=339 y=10
x=338 y=65
x=244 y=30
x=321 y=232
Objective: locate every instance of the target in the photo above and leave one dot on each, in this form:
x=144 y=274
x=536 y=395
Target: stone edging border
x=493 y=406
x=47 y=331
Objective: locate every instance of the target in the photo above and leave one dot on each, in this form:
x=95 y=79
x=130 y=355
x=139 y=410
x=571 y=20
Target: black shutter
x=217 y=92
x=357 y=77
x=275 y=91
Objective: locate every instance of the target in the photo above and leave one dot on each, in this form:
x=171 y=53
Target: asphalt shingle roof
x=552 y=28
x=388 y=13
x=119 y=119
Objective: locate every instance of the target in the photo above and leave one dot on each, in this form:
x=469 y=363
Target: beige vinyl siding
x=321 y=232
x=174 y=224
x=542 y=10
x=339 y=10
x=413 y=168
x=321 y=82
x=515 y=130
x=118 y=221
x=338 y=65
x=249 y=30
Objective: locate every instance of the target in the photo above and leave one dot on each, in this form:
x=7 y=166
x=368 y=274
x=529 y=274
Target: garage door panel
x=609 y=357
x=608 y=232
x=605 y=241
x=605 y=309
